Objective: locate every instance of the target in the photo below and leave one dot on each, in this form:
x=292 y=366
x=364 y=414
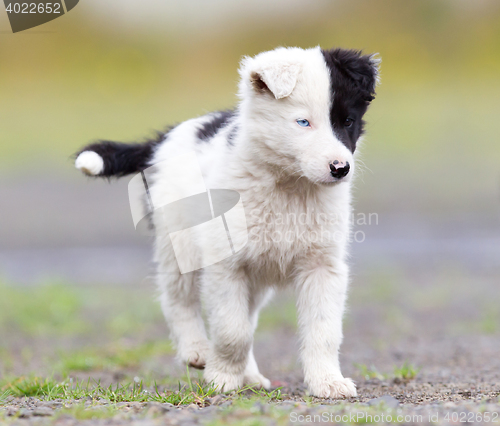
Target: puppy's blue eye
x=303 y=123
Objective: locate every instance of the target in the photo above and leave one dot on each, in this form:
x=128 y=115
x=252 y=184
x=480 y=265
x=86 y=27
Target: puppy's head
x=305 y=107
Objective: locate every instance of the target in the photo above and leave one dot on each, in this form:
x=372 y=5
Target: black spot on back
x=232 y=134
x=353 y=78
x=209 y=129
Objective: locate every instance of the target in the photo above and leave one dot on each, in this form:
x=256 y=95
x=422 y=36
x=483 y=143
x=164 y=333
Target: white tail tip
x=90 y=163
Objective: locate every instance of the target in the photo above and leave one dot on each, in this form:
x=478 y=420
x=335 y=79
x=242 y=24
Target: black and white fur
x=280 y=168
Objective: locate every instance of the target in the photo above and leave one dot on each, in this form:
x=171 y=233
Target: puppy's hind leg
x=180 y=302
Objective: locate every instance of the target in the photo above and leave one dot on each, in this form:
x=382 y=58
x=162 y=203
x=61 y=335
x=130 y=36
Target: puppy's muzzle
x=339 y=169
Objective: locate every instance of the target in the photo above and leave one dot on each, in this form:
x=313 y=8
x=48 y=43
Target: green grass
x=81 y=412
x=112 y=357
x=280 y=313
x=406 y=372
x=61 y=309
x=369 y=372
x=68 y=317
x=4 y=395
x=192 y=392
x=102 y=401
x=35 y=387
x=489 y=319
x=41 y=310
x=71 y=390
x=67 y=311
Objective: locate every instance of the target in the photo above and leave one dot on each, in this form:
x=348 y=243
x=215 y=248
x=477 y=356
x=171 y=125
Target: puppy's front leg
x=322 y=287
x=227 y=297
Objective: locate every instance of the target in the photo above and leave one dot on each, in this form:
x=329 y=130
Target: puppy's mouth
x=331 y=183
x=324 y=180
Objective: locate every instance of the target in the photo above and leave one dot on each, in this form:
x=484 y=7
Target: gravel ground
x=421 y=403
x=443 y=334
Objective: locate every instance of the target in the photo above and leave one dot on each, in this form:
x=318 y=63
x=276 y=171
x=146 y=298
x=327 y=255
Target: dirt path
x=443 y=322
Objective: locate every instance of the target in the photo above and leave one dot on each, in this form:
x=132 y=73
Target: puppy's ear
x=362 y=69
x=278 y=78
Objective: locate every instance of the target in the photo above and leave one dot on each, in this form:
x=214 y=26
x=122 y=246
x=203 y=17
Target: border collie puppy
x=288 y=150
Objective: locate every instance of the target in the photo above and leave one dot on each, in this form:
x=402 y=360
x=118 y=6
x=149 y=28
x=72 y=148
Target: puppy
x=288 y=150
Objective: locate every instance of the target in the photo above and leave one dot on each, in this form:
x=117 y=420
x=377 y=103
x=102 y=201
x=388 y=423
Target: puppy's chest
x=284 y=230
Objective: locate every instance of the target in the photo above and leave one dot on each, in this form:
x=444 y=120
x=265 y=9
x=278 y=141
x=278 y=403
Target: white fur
x=90 y=163
x=279 y=169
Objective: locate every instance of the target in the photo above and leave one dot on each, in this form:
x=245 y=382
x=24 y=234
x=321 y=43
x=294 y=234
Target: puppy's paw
x=194 y=354
x=257 y=380
x=334 y=388
x=224 y=382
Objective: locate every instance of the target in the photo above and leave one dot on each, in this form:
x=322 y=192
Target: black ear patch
x=353 y=77
x=360 y=69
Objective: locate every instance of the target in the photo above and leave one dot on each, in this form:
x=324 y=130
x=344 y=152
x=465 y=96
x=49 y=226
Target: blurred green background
x=122 y=69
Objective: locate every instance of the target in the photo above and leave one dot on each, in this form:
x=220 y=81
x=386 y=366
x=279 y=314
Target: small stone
x=24 y=413
x=155 y=409
x=388 y=400
x=302 y=408
x=50 y=404
x=216 y=399
x=43 y=411
x=11 y=411
x=150 y=404
x=258 y=408
x=211 y=409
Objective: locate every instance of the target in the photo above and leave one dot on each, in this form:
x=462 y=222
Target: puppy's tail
x=107 y=158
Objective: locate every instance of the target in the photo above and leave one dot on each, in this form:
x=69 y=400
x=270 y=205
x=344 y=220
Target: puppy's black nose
x=339 y=169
